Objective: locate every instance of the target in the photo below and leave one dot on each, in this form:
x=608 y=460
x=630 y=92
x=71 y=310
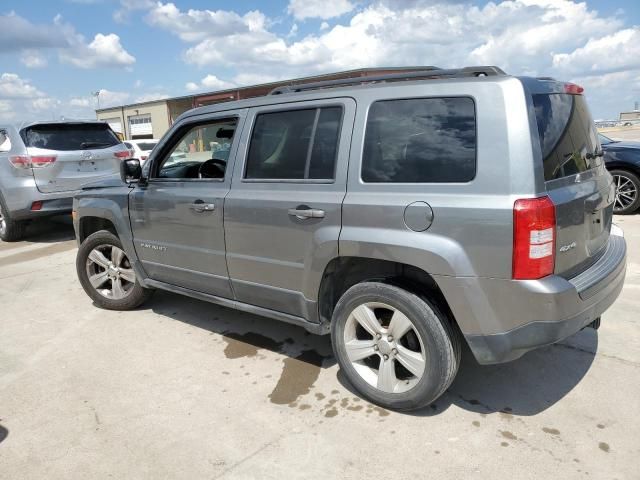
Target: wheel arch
x=341 y=273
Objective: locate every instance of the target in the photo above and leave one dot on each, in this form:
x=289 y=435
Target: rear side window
x=567 y=134
x=420 y=140
x=70 y=136
x=145 y=146
x=295 y=145
x=5 y=143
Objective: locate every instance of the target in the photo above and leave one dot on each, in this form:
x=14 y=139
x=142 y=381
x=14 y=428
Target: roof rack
x=423 y=73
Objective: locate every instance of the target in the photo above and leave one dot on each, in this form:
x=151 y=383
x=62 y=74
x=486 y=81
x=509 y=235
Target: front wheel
x=106 y=274
x=398 y=350
x=627 y=198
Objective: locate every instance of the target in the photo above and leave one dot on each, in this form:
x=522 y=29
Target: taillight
x=122 y=155
x=34 y=161
x=573 y=89
x=534 y=238
x=20 y=161
x=42 y=161
x=143 y=157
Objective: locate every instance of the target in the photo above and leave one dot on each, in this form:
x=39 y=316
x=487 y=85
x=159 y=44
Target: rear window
x=144 y=146
x=567 y=134
x=420 y=140
x=70 y=136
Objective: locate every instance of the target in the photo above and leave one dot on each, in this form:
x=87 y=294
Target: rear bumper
x=19 y=197
x=503 y=319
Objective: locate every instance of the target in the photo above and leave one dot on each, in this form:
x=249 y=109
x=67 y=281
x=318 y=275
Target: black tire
x=10 y=230
x=439 y=337
x=137 y=294
x=619 y=207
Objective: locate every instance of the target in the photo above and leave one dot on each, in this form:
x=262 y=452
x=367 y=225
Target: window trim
x=430 y=97
x=181 y=132
x=291 y=108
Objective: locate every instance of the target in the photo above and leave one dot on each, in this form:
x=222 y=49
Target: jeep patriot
x=402 y=214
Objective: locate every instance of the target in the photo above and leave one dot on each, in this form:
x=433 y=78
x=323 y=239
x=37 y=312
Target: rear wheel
x=398 y=350
x=106 y=274
x=627 y=198
x=10 y=230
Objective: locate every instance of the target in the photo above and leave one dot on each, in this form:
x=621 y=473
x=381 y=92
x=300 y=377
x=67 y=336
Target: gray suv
x=43 y=164
x=404 y=216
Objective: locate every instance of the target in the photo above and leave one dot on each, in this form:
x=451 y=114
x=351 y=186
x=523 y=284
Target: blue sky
x=54 y=53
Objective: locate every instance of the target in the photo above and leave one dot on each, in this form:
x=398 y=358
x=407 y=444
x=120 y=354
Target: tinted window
x=144 y=146
x=420 y=140
x=297 y=144
x=70 y=136
x=567 y=134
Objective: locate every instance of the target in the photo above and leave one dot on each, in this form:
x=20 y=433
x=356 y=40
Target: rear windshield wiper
x=85 y=145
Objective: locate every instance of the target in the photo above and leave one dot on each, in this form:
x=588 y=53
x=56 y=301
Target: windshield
x=70 y=136
x=604 y=140
x=568 y=137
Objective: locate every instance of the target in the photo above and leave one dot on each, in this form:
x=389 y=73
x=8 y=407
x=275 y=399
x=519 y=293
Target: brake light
x=26 y=161
x=122 y=155
x=573 y=89
x=534 y=238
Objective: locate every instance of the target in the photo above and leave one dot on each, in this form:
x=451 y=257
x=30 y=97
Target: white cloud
x=128 y=6
x=110 y=98
x=12 y=87
x=103 y=51
x=33 y=59
x=211 y=83
x=596 y=55
x=324 y=9
x=81 y=102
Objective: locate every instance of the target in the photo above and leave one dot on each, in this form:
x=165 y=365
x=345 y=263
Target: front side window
x=420 y=140
x=295 y=145
x=202 y=152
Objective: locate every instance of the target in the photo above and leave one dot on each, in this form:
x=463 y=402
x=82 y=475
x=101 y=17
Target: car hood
x=622 y=145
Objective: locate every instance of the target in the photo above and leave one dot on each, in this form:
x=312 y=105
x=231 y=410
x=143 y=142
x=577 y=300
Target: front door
x=283 y=214
x=177 y=217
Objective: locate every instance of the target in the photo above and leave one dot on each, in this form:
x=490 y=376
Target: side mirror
x=130 y=170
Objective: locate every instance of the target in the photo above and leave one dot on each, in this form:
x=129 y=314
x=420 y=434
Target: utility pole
x=97 y=95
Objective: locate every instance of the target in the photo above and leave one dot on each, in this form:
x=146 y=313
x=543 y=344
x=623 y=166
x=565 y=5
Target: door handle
x=202 y=207
x=306 y=213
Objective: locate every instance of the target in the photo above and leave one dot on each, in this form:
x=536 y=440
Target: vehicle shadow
x=3 y=433
x=244 y=331
x=44 y=230
x=524 y=387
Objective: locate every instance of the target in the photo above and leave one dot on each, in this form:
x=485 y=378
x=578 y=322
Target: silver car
x=43 y=164
x=405 y=217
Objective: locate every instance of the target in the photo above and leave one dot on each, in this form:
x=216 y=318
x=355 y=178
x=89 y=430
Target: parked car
x=42 y=165
x=623 y=161
x=403 y=216
x=141 y=148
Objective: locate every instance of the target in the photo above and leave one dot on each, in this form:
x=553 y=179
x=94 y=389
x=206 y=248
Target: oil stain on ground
x=298 y=376
x=247 y=344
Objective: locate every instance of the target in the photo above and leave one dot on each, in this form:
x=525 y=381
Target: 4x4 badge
x=566 y=248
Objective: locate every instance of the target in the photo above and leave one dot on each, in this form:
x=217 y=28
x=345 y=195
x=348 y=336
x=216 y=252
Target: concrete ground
x=622 y=133
x=185 y=389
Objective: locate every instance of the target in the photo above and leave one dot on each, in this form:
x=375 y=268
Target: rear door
x=69 y=155
x=284 y=212
x=576 y=180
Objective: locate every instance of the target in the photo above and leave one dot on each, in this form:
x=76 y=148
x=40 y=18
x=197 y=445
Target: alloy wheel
x=109 y=272
x=3 y=222
x=626 y=192
x=384 y=347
